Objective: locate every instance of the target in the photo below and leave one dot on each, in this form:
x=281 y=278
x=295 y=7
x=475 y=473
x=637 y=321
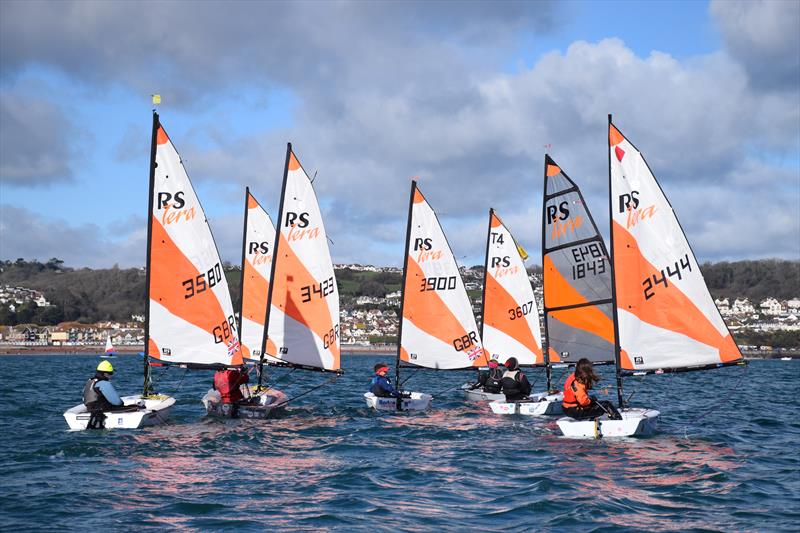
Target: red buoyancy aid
x=570 y=389
x=227 y=382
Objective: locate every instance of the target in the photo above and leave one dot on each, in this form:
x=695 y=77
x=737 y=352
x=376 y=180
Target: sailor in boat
x=577 y=403
x=228 y=383
x=381 y=386
x=491 y=381
x=100 y=396
x=515 y=384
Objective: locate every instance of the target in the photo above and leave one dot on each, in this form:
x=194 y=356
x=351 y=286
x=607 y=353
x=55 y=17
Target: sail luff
x=617 y=347
x=244 y=248
x=148 y=260
x=486 y=272
x=403 y=282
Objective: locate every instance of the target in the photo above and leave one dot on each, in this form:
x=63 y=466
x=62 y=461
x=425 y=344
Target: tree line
x=93 y=295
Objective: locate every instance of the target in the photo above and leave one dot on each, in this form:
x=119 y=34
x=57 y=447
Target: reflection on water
x=330 y=463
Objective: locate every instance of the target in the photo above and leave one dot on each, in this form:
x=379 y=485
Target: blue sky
x=463 y=95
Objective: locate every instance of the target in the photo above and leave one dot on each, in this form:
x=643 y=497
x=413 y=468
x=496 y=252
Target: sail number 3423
x=322 y=289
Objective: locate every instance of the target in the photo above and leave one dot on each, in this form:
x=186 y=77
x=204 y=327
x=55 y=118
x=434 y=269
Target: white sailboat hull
x=478 y=395
x=265 y=404
x=155 y=411
x=636 y=422
x=419 y=401
x=541 y=404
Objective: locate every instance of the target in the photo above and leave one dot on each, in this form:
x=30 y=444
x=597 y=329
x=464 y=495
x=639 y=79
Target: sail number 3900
x=442 y=283
x=201 y=282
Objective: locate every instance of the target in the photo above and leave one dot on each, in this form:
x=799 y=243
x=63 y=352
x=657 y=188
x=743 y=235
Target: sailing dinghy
x=576 y=279
x=665 y=319
x=109 y=352
x=510 y=325
x=437 y=327
x=258 y=240
x=302 y=312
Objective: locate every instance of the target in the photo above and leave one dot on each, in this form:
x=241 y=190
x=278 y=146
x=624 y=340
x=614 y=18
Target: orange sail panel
x=190 y=317
x=439 y=329
x=510 y=314
x=577 y=275
x=304 y=307
x=666 y=316
x=259 y=237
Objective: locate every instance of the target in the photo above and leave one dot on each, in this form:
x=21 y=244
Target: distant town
x=366 y=322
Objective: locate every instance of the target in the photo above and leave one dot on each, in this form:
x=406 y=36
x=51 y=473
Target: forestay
x=303 y=315
x=578 y=305
x=438 y=326
x=666 y=316
x=258 y=245
x=510 y=314
x=190 y=315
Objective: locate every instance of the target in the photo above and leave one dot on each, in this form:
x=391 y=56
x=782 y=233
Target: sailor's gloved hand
x=140 y=404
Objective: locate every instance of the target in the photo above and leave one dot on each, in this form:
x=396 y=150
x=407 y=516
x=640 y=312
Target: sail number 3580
x=201 y=282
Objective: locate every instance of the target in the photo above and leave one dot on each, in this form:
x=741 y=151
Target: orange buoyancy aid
x=575 y=393
x=227 y=382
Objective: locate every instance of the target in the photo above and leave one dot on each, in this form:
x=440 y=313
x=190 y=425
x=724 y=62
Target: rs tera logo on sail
x=559 y=215
x=258 y=252
x=630 y=203
x=424 y=252
x=298 y=227
x=170 y=204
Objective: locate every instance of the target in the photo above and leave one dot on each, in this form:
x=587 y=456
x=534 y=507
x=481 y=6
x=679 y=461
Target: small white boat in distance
x=109 y=351
x=155 y=411
x=541 y=404
x=636 y=422
x=418 y=401
x=786 y=358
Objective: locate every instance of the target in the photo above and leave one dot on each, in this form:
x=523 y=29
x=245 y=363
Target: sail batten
x=303 y=310
x=666 y=316
x=190 y=317
x=578 y=307
x=510 y=313
x=438 y=327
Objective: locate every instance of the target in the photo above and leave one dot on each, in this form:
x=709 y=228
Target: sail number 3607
x=520 y=310
x=321 y=289
x=201 y=282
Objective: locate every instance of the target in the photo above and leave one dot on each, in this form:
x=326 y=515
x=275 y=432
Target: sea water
x=725 y=459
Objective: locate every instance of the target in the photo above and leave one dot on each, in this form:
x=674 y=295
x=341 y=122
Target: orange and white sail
x=578 y=305
x=303 y=315
x=510 y=314
x=666 y=316
x=190 y=315
x=257 y=247
x=438 y=328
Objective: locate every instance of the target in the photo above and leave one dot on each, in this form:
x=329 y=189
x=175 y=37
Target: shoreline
x=135 y=350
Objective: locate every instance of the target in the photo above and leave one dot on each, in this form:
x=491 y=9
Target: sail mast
x=546 y=340
x=274 y=262
x=151 y=188
x=611 y=261
x=486 y=274
x=244 y=249
x=403 y=285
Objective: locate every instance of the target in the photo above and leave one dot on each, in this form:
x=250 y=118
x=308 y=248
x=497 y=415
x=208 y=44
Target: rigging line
x=284 y=402
x=180 y=382
x=400 y=385
x=716 y=405
x=445 y=390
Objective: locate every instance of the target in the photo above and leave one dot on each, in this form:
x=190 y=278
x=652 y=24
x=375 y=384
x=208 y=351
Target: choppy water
x=726 y=458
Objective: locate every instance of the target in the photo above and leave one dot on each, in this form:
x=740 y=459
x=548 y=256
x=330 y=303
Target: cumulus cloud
x=33 y=141
x=765 y=37
x=387 y=91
